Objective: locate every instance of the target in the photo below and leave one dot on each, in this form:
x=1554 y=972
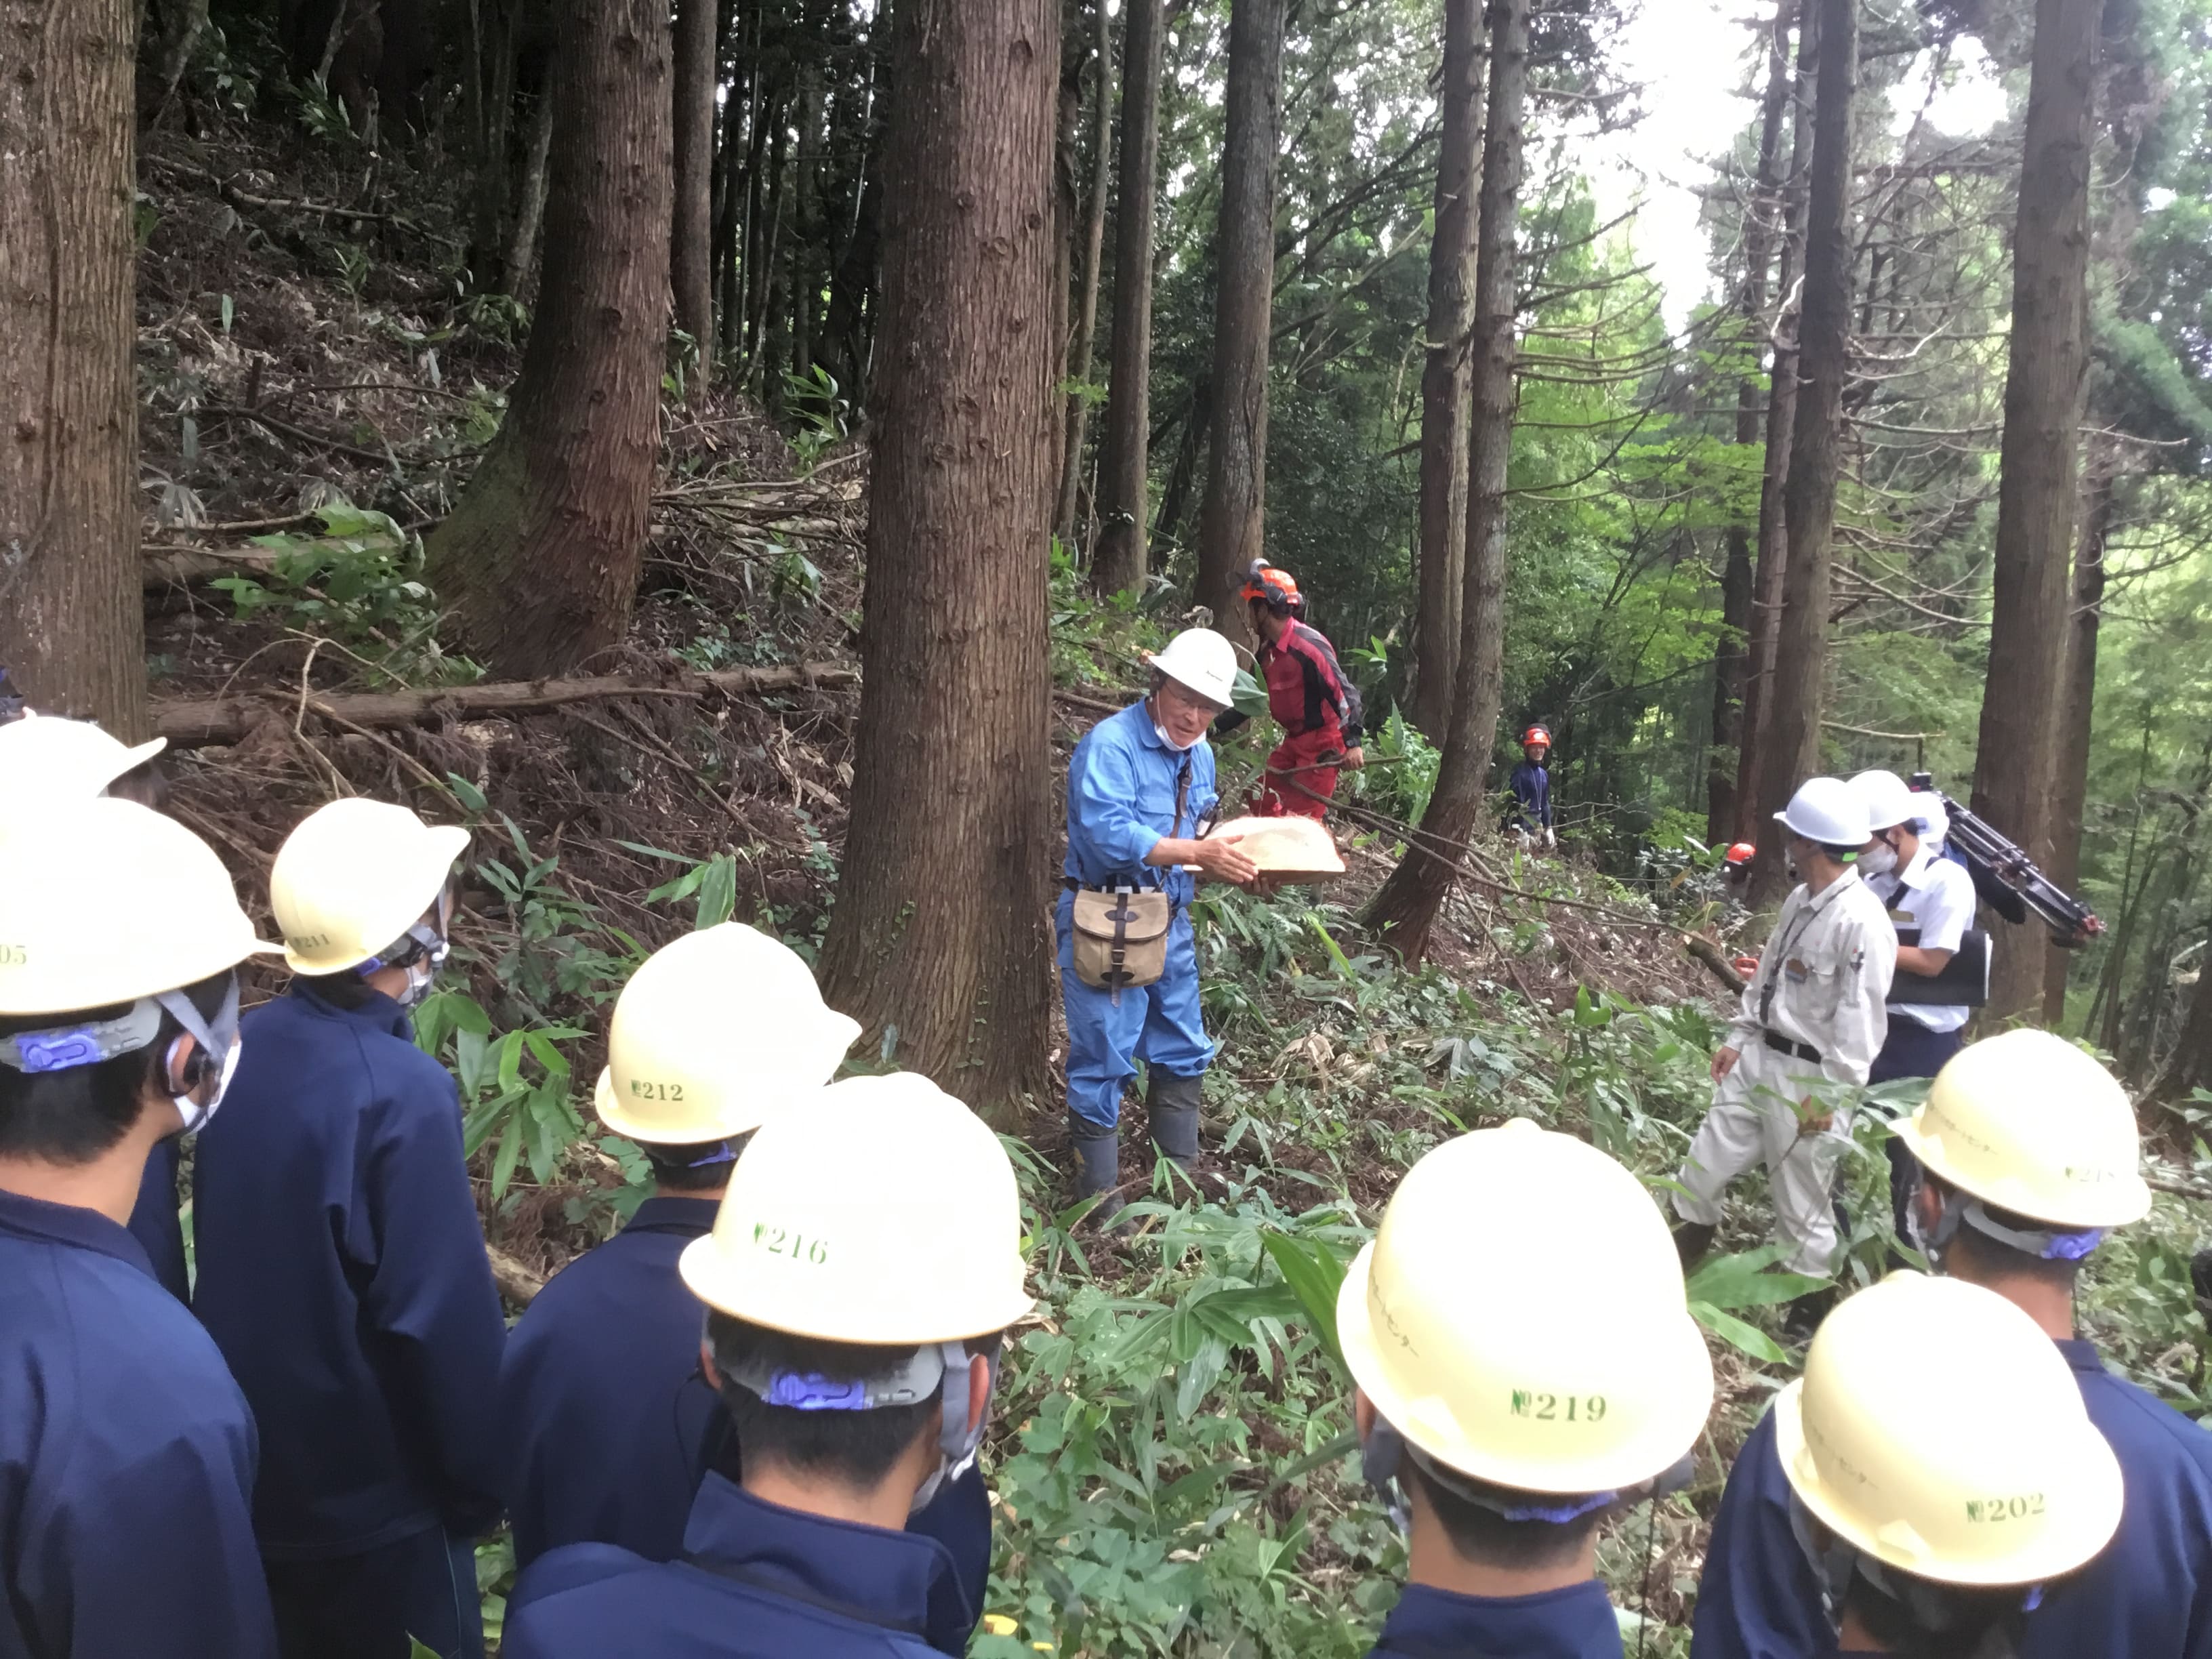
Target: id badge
x=1795 y=972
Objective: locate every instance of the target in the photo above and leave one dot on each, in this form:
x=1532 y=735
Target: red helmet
x=1276 y=589
x=1536 y=737
x=1740 y=855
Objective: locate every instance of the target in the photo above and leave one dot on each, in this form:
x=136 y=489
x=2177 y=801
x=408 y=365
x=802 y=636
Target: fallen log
x=1710 y=954
x=516 y=1282
x=177 y=567
x=203 y=722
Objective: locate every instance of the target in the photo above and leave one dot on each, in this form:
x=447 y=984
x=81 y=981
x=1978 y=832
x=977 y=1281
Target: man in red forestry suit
x=1307 y=694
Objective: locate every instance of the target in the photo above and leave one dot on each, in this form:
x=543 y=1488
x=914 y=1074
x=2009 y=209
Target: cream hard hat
x=1938 y=1430
x=886 y=1211
x=715 y=1034
x=2026 y=1121
x=1571 y=1366
x=354 y=877
x=1888 y=802
x=44 y=760
x=1201 y=661
x=104 y=902
x=1827 y=811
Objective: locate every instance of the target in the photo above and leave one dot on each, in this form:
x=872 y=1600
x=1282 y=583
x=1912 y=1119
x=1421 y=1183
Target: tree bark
x=540 y=559
x=521 y=259
x=1793 y=750
x=1773 y=546
x=72 y=633
x=2189 y=1065
x=2069 y=797
x=1118 y=564
x=1232 y=521
x=692 y=238
x=1405 y=909
x=1440 y=558
x=1086 y=306
x=1732 y=654
x=939 y=930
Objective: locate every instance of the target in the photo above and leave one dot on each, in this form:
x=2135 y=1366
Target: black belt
x=1783 y=1045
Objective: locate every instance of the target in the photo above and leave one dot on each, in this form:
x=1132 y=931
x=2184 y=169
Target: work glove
x=1550 y=839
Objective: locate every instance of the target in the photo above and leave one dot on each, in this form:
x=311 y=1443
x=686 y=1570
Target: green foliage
x=820 y=413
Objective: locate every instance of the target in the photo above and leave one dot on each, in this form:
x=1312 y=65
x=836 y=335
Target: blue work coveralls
x=1574 y=1623
x=1531 y=785
x=1121 y=790
x=756 y=1581
x=156 y=1223
x=341 y=1271
x=2148 y=1595
x=126 y=1457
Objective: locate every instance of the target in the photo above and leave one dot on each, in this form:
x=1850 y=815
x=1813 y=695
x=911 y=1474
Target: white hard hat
x=1888 y=802
x=1577 y=1370
x=44 y=759
x=713 y=1036
x=1828 y=811
x=1938 y=1430
x=886 y=1213
x=1201 y=661
x=1934 y=821
x=353 y=878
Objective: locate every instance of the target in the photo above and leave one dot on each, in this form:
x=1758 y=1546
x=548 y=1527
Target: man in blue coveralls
x=2028 y=1152
x=1507 y=1414
x=127 y=1451
x=1140 y=784
x=1530 y=819
x=862 y=1273
x=341 y=1267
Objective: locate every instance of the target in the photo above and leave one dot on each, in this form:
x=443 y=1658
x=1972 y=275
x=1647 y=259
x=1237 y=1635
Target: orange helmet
x=1740 y=855
x=1536 y=737
x=1276 y=589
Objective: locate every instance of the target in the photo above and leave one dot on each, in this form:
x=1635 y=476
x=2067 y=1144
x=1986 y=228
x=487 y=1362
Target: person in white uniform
x=1801 y=1046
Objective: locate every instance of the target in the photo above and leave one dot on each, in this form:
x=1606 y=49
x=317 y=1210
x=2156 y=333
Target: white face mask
x=1178 y=747
x=1878 y=859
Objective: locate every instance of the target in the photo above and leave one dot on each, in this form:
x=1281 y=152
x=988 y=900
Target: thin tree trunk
x=691 y=238
x=540 y=559
x=1118 y=564
x=2015 y=754
x=1232 y=524
x=1182 y=473
x=1086 y=308
x=72 y=633
x=2070 y=790
x=491 y=85
x=2189 y=1064
x=1732 y=655
x=1773 y=546
x=1440 y=558
x=1793 y=750
x=1404 y=910
x=530 y=206
x=938 y=929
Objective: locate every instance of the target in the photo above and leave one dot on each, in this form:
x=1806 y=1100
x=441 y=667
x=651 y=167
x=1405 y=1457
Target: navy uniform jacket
x=757 y=1582
x=1532 y=795
x=2148 y=1595
x=126 y=1457
x=155 y=1223
x=1574 y=1623
x=609 y=1418
x=341 y=1271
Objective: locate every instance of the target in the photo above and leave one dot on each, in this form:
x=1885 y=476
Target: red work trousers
x=1289 y=793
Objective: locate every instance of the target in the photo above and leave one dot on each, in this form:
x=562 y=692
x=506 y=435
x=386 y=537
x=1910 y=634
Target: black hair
x=347 y=989
x=1983 y=1257
x=69 y=1118
x=852 y=1449
x=1481 y=1534
x=1969 y=1613
x=146 y=783
x=685 y=1169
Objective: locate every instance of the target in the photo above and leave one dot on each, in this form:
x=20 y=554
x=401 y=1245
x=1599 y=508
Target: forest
x=727 y=456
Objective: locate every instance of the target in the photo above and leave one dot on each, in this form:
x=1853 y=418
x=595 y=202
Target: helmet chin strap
x=1384 y=1453
x=1934 y=1609
x=1958 y=1210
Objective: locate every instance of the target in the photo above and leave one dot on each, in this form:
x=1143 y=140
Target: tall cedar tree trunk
x=939 y=925
x=1793 y=745
x=692 y=238
x=2014 y=757
x=1773 y=546
x=1441 y=559
x=1087 y=308
x=540 y=559
x=1732 y=655
x=1118 y=564
x=1405 y=908
x=1232 y=521
x=2070 y=795
x=72 y=631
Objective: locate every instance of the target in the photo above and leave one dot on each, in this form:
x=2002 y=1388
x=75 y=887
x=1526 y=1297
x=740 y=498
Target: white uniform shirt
x=1939 y=895
x=1823 y=979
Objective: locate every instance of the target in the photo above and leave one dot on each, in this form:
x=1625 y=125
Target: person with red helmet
x=1531 y=783
x=1318 y=708
x=1736 y=865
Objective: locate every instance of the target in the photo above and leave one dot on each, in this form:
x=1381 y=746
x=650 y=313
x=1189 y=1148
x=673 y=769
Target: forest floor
x=1173 y=1472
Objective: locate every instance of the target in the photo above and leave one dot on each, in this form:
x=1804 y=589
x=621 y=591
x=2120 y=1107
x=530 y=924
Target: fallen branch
x=169 y=565
x=517 y=1282
x=1710 y=954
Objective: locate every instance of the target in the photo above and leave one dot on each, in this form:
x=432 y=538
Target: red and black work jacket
x=1307 y=691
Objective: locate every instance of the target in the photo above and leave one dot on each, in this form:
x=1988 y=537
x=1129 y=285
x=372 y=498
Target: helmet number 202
x=778 y=1241
x=1558 y=1407
x=2017 y=1508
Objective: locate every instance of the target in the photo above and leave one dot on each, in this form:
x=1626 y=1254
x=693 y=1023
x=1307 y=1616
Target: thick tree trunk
x=2014 y=757
x=1773 y=546
x=1793 y=748
x=1086 y=306
x=939 y=925
x=540 y=559
x=1118 y=564
x=1232 y=521
x=2070 y=797
x=692 y=238
x=1405 y=908
x=71 y=629
x=1440 y=559
x=1732 y=655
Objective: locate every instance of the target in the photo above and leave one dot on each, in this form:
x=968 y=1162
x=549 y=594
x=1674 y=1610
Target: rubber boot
x=1097 y=1150
x=1692 y=1240
x=1805 y=1315
x=1171 y=1102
